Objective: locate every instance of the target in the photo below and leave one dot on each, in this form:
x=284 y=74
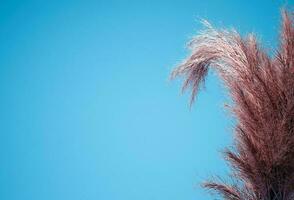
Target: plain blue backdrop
x=87 y=111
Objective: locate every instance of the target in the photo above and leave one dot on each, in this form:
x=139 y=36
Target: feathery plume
x=262 y=90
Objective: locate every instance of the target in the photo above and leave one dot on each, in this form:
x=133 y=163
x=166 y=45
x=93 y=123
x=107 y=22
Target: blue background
x=86 y=108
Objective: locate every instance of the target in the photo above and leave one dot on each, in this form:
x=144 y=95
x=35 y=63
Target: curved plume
x=262 y=90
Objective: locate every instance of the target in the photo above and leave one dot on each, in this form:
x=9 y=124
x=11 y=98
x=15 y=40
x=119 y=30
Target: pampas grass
x=262 y=90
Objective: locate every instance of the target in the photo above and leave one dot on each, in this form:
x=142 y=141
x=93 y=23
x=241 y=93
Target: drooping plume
x=262 y=90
